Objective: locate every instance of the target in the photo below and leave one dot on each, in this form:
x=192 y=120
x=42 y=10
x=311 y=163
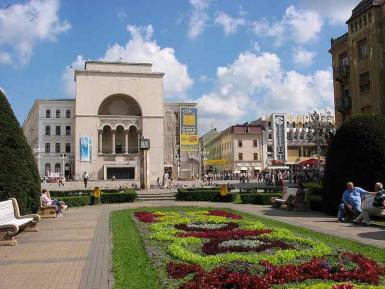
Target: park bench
x=47 y=211
x=278 y=202
x=11 y=223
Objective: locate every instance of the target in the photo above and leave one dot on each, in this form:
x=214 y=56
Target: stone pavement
x=74 y=251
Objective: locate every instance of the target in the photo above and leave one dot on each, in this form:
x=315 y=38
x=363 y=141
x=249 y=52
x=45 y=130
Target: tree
x=356 y=154
x=19 y=177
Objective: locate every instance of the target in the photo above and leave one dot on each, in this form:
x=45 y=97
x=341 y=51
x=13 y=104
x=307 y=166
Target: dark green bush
x=76 y=201
x=85 y=192
x=356 y=154
x=19 y=177
x=314 y=196
x=203 y=194
x=258 y=189
x=120 y=197
x=259 y=198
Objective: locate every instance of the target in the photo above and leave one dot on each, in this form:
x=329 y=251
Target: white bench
x=278 y=202
x=11 y=223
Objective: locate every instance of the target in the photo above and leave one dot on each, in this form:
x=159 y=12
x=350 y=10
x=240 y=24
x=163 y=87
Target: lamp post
x=203 y=158
x=63 y=156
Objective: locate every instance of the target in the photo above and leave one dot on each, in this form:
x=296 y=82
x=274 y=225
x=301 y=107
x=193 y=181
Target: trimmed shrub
x=128 y=196
x=76 y=201
x=259 y=198
x=203 y=194
x=85 y=192
x=314 y=196
x=258 y=189
x=19 y=177
x=356 y=154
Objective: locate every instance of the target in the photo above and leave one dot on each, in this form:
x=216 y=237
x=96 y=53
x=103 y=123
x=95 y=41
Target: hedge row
x=315 y=196
x=265 y=189
x=259 y=198
x=208 y=195
x=59 y=194
x=109 y=198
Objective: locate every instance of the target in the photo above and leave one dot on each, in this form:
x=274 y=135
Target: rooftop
x=364 y=6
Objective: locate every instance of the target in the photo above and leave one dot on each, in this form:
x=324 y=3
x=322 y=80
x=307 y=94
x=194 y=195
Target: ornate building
x=359 y=63
x=117 y=109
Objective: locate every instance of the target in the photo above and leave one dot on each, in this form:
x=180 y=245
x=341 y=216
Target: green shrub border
x=259 y=198
x=203 y=194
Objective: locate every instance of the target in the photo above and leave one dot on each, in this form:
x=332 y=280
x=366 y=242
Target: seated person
x=351 y=202
x=298 y=200
x=377 y=208
x=47 y=201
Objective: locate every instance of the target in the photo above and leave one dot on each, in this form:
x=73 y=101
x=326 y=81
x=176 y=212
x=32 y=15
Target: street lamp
x=63 y=156
x=203 y=158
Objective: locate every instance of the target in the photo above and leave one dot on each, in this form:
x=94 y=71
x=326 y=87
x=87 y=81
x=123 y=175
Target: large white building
x=118 y=111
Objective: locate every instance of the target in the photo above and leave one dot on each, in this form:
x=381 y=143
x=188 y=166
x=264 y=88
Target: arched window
x=57 y=168
x=120 y=104
x=47 y=169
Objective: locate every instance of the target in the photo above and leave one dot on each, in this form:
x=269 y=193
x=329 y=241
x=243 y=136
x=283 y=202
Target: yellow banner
x=216 y=162
x=188 y=139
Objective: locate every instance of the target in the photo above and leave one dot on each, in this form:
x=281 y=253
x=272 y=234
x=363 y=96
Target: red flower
x=147 y=217
x=179 y=270
x=221 y=213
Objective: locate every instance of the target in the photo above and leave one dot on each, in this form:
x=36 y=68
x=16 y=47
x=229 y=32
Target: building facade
x=117 y=124
x=237 y=149
x=49 y=129
x=358 y=59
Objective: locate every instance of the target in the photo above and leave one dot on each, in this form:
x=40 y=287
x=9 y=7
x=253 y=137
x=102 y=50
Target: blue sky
x=237 y=59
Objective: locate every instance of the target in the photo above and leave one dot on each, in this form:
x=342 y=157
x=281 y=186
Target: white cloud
x=5 y=58
x=143 y=48
x=68 y=82
x=337 y=12
x=229 y=24
x=121 y=14
x=299 y=26
x=23 y=25
x=199 y=17
x=256 y=84
x=303 y=57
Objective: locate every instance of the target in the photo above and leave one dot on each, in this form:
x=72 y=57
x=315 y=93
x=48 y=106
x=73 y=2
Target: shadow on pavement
x=380 y=235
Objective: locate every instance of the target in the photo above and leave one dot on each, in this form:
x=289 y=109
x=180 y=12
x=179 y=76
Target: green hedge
x=259 y=198
x=76 y=201
x=121 y=197
x=208 y=195
x=266 y=189
x=69 y=193
x=315 y=196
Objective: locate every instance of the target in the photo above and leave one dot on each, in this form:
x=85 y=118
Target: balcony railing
x=341 y=72
x=343 y=104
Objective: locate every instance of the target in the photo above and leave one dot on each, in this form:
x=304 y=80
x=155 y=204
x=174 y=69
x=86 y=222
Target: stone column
x=126 y=141
x=100 y=141
x=113 y=140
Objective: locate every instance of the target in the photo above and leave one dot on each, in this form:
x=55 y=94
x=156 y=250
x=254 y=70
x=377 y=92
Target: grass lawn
x=133 y=268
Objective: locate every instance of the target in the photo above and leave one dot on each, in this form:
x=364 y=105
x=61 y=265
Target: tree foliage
x=19 y=177
x=356 y=154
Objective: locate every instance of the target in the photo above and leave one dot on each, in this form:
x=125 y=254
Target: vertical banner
x=85 y=148
x=188 y=129
x=279 y=129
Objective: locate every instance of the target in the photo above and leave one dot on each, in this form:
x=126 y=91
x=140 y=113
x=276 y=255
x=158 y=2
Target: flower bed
x=219 y=249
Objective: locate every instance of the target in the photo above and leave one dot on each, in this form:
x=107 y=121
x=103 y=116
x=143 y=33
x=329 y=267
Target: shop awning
x=243 y=169
x=257 y=168
x=278 y=168
x=309 y=162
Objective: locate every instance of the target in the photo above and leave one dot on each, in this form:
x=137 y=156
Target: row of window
x=58 y=113
x=362 y=51
x=48 y=169
x=361 y=22
x=58 y=148
x=240 y=156
x=57 y=130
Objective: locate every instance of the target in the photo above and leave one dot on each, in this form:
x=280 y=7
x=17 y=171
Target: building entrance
x=121 y=173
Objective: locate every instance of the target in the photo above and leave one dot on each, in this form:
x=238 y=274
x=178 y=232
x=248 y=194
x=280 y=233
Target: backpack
x=379 y=199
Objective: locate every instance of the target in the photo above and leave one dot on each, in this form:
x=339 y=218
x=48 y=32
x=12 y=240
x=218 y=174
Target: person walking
x=85 y=179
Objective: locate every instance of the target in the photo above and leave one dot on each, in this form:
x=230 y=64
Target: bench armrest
x=36 y=218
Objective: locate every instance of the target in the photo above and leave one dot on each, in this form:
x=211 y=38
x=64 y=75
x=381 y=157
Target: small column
x=126 y=141
x=113 y=140
x=100 y=141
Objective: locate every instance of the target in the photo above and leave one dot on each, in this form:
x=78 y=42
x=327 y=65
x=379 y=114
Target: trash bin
x=97 y=194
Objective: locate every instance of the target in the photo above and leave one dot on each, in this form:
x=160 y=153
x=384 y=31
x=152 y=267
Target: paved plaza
x=74 y=251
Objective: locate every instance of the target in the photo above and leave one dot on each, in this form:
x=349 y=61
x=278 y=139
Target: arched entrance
x=119 y=131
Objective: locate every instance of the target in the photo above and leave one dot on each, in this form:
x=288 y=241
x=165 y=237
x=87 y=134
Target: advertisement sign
x=279 y=130
x=85 y=148
x=188 y=129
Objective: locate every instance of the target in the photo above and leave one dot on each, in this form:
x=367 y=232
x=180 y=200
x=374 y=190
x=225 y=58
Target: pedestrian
x=60 y=181
x=85 y=179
